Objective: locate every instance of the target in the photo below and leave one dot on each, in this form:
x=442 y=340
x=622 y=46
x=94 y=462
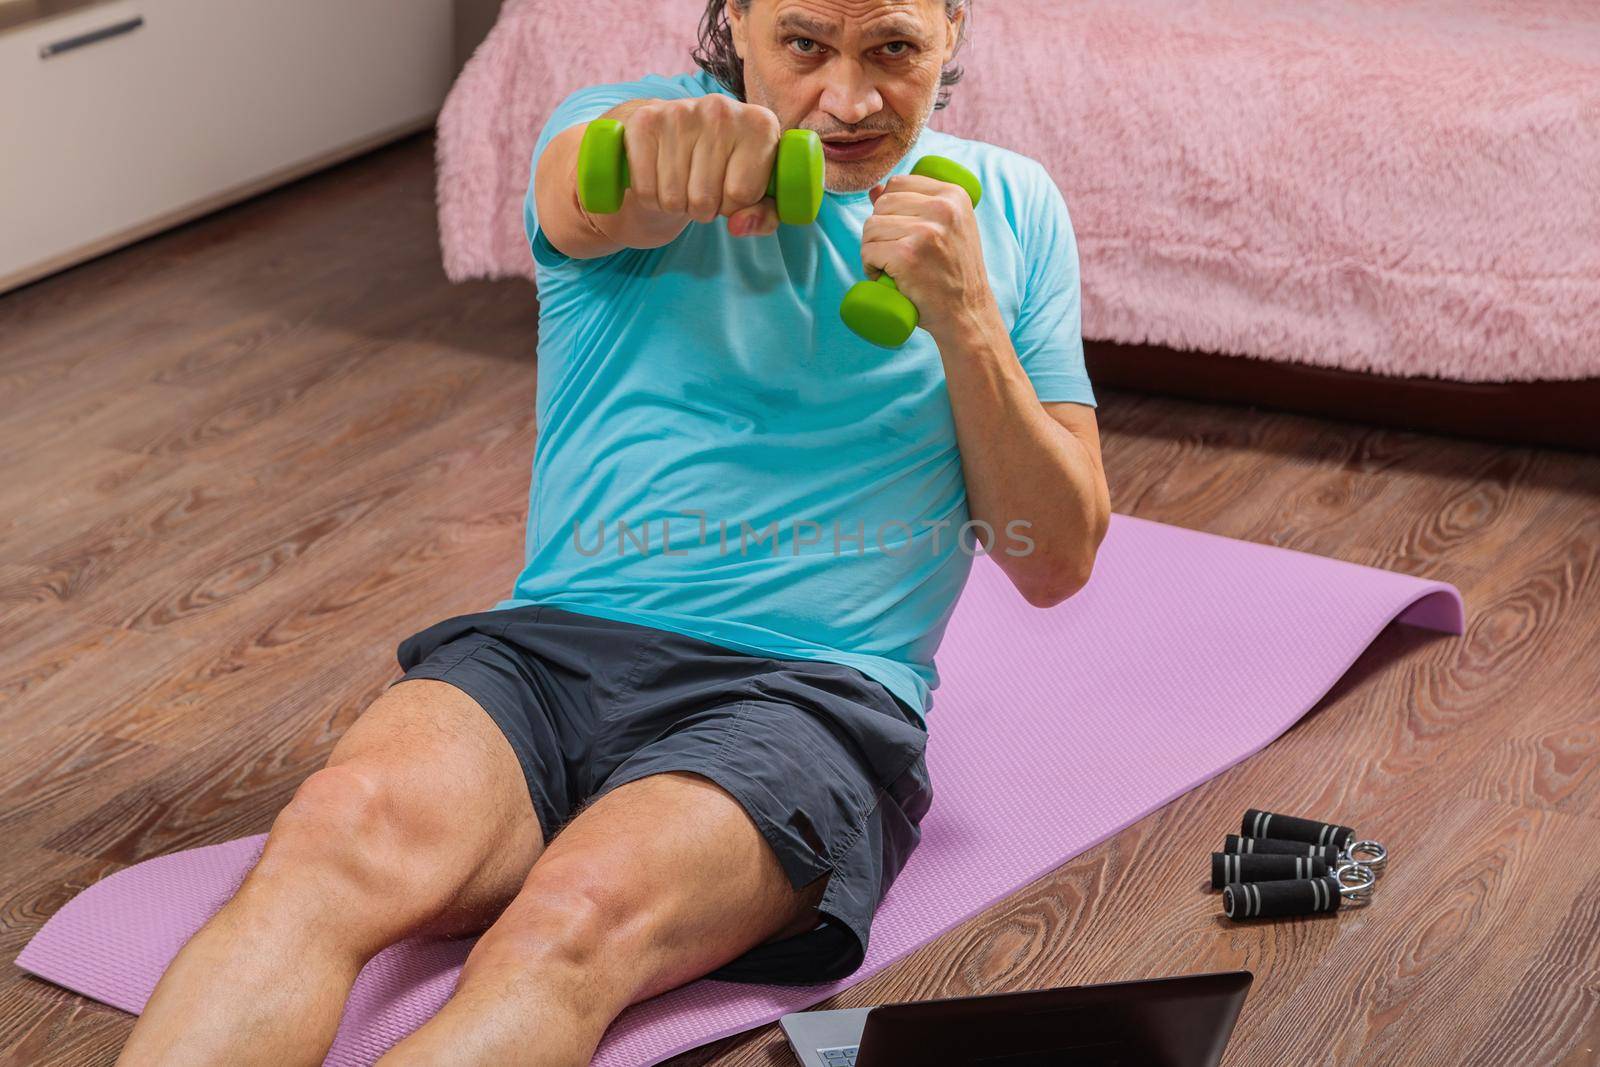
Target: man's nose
x=849 y=95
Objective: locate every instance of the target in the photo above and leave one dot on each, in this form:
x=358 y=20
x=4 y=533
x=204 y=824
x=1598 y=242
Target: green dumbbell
x=876 y=310
x=796 y=179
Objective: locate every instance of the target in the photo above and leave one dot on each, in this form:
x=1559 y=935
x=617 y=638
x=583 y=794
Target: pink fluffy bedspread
x=1405 y=187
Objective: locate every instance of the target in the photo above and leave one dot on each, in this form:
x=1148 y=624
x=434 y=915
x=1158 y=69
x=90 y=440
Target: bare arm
x=1028 y=461
x=690 y=161
x=1024 y=461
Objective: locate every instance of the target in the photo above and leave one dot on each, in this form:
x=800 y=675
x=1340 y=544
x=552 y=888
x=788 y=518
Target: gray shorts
x=827 y=762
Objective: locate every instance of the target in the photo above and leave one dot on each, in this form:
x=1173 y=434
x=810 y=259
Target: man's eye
x=804 y=45
x=904 y=46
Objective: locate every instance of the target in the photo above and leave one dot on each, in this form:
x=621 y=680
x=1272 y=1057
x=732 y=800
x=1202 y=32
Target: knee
x=566 y=915
x=346 y=824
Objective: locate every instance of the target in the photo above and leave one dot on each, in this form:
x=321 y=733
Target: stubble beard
x=854 y=177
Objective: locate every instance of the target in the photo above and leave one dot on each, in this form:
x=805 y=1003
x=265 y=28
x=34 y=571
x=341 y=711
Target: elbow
x=1061 y=581
x=1056 y=586
x=1066 y=578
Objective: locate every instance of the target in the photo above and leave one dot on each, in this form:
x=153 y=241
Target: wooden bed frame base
x=1555 y=414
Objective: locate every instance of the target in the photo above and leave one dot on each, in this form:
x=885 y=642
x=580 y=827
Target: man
x=746 y=533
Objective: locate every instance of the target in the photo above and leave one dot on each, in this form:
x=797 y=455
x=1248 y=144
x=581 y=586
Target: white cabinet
x=187 y=105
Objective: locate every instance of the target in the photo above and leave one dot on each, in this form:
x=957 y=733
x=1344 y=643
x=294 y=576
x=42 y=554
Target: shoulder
x=658 y=86
x=591 y=101
x=1019 y=187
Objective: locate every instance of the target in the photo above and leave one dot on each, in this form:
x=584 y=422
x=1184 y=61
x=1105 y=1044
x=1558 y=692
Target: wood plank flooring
x=244 y=459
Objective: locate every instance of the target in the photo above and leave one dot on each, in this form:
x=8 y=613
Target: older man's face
x=864 y=74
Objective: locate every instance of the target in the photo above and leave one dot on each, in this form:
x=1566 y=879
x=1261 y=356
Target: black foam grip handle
x=1235 y=845
x=1268 y=867
x=1258 y=823
x=1271 y=900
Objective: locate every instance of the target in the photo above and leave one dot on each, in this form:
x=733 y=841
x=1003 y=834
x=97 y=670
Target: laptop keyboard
x=839 y=1057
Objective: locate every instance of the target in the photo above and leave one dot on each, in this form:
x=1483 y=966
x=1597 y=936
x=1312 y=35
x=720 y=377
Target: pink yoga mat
x=1053 y=730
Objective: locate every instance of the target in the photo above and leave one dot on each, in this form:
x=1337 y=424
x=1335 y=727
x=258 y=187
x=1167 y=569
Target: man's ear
x=739 y=27
x=953 y=34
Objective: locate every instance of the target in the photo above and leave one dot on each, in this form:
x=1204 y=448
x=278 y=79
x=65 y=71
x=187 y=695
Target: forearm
x=575 y=231
x=1021 y=466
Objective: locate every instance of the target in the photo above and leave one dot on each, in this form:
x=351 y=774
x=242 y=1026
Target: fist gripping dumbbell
x=876 y=310
x=796 y=179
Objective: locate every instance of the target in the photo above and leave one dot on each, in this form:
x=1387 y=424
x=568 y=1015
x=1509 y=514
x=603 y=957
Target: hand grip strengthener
x=1274 y=834
x=1350 y=885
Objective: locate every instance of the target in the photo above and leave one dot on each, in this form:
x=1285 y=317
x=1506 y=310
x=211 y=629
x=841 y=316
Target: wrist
x=973 y=325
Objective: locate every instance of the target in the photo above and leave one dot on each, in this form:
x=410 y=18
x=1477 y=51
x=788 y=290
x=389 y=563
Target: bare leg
x=421 y=822
x=658 y=882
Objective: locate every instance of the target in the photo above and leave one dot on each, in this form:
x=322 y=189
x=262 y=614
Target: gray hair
x=717 y=56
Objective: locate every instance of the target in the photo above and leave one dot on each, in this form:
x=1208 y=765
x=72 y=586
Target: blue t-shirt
x=719 y=456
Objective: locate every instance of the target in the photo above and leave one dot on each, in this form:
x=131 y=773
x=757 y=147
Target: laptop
x=1161 y=1022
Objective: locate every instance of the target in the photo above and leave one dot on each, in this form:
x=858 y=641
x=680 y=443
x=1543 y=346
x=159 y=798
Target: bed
x=1386 y=210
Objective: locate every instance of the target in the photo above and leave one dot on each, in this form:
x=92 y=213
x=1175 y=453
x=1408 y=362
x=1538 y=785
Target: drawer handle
x=68 y=44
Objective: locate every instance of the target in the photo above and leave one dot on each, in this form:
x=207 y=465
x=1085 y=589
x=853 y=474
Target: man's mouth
x=848 y=150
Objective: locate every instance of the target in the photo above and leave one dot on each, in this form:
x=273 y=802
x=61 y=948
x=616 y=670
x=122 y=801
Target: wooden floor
x=243 y=460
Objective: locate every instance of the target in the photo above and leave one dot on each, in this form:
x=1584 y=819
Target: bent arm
x=1025 y=461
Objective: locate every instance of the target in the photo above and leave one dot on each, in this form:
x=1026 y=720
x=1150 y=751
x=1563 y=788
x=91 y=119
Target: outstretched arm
x=691 y=160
